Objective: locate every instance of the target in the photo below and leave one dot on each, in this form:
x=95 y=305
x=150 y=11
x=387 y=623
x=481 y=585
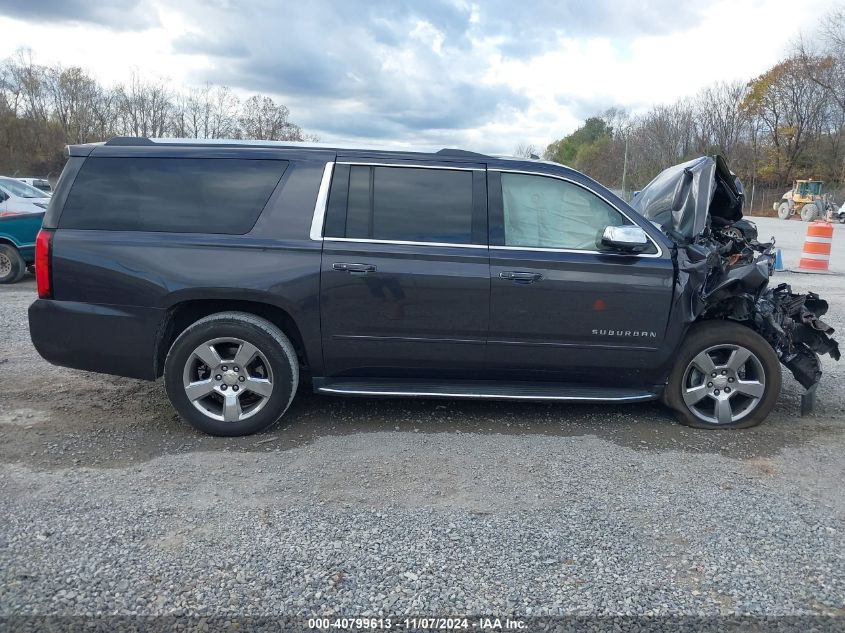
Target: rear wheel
x=726 y=377
x=231 y=373
x=12 y=265
x=783 y=211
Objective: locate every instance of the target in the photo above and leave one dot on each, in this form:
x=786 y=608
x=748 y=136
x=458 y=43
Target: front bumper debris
x=728 y=278
x=790 y=323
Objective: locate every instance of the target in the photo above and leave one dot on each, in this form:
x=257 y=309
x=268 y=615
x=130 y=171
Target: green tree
x=565 y=150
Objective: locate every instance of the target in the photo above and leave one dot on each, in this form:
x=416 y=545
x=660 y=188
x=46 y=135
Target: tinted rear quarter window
x=180 y=195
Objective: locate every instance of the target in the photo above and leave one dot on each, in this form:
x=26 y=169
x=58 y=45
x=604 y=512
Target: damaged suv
x=236 y=270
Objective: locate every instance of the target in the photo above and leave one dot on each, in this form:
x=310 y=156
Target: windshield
x=20 y=189
x=813 y=188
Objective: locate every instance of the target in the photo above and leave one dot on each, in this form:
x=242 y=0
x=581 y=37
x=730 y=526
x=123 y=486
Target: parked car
x=18 y=197
x=42 y=184
x=18 y=232
x=235 y=270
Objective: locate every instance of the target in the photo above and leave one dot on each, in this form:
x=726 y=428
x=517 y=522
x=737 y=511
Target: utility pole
x=625 y=168
x=753 y=187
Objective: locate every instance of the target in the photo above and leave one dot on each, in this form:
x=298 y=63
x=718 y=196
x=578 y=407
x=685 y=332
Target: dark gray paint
x=425 y=311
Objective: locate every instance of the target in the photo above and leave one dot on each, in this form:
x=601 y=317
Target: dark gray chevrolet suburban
x=234 y=269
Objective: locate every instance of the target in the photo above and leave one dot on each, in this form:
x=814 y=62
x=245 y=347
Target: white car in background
x=39 y=183
x=17 y=197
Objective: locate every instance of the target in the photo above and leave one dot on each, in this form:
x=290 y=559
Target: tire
x=783 y=211
x=809 y=212
x=12 y=265
x=235 y=396
x=733 y=233
x=760 y=375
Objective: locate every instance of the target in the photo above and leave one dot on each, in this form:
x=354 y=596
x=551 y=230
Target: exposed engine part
x=741 y=229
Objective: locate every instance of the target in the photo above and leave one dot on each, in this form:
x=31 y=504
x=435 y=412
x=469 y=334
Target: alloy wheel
x=723 y=384
x=228 y=379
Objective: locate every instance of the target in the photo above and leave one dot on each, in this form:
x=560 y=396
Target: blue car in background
x=17 y=244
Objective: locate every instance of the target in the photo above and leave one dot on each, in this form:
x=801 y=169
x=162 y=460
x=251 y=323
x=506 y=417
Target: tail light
x=10 y=214
x=43 y=261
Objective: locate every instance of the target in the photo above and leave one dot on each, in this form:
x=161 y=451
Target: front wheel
x=809 y=212
x=733 y=233
x=12 y=265
x=783 y=211
x=231 y=373
x=726 y=377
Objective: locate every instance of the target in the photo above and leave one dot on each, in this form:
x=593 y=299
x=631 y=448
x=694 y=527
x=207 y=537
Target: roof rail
x=449 y=151
x=129 y=140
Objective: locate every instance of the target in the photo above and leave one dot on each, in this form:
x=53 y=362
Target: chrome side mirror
x=624 y=239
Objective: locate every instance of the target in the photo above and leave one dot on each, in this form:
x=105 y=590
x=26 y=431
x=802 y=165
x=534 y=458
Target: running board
x=478 y=389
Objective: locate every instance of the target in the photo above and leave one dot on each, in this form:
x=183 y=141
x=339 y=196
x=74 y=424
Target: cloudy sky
x=484 y=74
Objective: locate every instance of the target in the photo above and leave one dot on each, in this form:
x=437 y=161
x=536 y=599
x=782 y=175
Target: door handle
x=521 y=277
x=354 y=268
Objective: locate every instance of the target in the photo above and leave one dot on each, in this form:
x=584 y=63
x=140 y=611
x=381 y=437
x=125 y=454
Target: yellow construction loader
x=806 y=199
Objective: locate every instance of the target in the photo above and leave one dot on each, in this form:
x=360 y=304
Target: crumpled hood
x=685 y=199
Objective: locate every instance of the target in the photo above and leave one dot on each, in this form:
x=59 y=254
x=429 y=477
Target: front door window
x=541 y=212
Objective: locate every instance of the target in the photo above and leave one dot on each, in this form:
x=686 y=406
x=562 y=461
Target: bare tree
x=223 y=116
x=663 y=136
x=264 y=119
x=823 y=56
x=145 y=107
x=721 y=121
x=106 y=111
x=75 y=98
x=206 y=112
x=526 y=150
x=43 y=108
x=823 y=59
x=791 y=108
x=27 y=83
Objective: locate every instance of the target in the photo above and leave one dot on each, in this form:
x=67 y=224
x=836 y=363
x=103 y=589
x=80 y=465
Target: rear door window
x=179 y=195
x=407 y=204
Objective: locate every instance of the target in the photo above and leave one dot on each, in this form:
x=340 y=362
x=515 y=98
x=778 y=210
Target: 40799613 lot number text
x=417 y=623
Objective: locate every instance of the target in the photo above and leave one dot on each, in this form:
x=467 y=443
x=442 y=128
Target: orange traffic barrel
x=815 y=256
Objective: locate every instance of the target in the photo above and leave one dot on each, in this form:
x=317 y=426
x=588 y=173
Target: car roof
x=396 y=152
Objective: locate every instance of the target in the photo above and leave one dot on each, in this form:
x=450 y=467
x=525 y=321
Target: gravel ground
x=111 y=505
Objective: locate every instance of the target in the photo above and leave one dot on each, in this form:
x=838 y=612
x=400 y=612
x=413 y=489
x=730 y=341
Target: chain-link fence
x=761 y=201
